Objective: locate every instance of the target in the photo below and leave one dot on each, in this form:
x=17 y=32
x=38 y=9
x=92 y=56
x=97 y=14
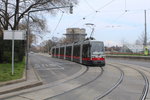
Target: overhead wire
x=94 y=11
x=105 y=5
x=97 y=11
x=56 y=6
x=89 y=5
x=81 y=19
x=58 y=23
x=120 y=16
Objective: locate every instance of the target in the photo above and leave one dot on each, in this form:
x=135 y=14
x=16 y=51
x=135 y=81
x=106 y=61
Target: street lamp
x=28 y=33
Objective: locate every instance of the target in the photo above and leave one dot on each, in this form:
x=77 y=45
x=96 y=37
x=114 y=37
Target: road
x=51 y=69
x=134 y=62
x=118 y=80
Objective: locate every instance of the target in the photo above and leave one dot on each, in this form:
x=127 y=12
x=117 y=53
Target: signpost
x=13 y=35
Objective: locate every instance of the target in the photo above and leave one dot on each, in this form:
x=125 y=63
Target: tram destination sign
x=14 y=34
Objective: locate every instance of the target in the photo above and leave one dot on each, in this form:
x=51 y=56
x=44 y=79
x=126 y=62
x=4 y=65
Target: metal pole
x=27 y=52
x=145 y=37
x=13 y=52
x=28 y=33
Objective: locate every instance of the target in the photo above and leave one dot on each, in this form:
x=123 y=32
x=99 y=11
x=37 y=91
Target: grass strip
x=6 y=71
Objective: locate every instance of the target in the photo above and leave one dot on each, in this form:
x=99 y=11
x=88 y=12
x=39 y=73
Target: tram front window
x=97 y=48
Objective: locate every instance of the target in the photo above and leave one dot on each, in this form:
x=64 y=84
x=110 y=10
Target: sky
x=115 y=21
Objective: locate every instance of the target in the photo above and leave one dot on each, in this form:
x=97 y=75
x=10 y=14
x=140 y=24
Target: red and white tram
x=88 y=52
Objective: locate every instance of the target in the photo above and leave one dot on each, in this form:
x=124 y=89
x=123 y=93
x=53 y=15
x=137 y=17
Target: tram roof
x=80 y=42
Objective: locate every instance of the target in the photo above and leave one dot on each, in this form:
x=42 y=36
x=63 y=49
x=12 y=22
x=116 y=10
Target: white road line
x=61 y=67
x=50 y=69
x=48 y=66
x=57 y=65
x=43 y=65
x=53 y=72
x=37 y=66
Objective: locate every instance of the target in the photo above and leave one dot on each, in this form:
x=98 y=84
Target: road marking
x=53 y=72
x=60 y=66
x=48 y=67
x=37 y=66
x=43 y=65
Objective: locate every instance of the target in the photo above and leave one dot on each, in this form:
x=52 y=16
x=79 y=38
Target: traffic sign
x=17 y=34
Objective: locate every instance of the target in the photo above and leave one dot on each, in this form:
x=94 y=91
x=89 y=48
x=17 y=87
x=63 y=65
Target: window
x=97 y=48
x=57 y=51
x=62 y=51
x=76 y=51
x=68 y=51
x=86 y=51
x=53 y=51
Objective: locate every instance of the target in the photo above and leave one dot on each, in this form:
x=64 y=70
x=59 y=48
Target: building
x=75 y=34
x=134 y=48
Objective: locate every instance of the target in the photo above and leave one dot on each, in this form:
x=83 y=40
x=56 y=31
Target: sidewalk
x=29 y=80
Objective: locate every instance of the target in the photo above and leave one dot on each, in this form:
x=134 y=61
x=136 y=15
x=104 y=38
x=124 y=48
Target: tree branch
x=27 y=10
x=4 y=24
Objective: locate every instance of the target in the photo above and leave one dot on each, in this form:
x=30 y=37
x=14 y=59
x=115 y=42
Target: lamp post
x=145 y=49
x=28 y=33
x=145 y=35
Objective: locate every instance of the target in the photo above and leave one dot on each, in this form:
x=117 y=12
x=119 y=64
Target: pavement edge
x=25 y=86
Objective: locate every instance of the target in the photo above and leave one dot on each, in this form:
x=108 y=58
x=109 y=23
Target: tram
x=88 y=52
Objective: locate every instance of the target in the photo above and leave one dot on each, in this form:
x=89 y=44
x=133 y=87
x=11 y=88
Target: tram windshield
x=97 y=48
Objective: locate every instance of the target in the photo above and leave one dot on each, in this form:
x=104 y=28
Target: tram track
x=113 y=87
x=50 y=85
x=146 y=86
x=85 y=84
x=97 y=79
x=146 y=81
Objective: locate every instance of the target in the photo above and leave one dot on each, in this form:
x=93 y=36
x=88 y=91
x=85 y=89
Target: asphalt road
x=127 y=81
x=125 y=61
x=52 y=69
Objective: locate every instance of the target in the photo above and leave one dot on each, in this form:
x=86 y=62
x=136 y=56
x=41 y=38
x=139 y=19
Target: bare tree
x=12 y=12
x=13 y=16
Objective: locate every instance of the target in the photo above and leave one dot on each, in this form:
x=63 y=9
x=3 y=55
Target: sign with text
x=14 y=34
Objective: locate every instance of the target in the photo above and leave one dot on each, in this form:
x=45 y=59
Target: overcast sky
x=115 y=20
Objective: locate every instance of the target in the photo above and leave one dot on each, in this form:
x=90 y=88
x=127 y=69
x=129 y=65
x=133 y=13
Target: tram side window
x=68 y=51
x=62 y=51
x=85 y=50
x=53 y=50
x=57 y=50
x=76 y=51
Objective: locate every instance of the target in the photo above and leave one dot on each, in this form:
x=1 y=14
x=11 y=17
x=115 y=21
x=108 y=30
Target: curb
x=22 y=87
x=55 y=83
x=25 y=86
x=38 y=77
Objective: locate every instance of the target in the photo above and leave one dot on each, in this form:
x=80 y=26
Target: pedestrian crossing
x=48 y=67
